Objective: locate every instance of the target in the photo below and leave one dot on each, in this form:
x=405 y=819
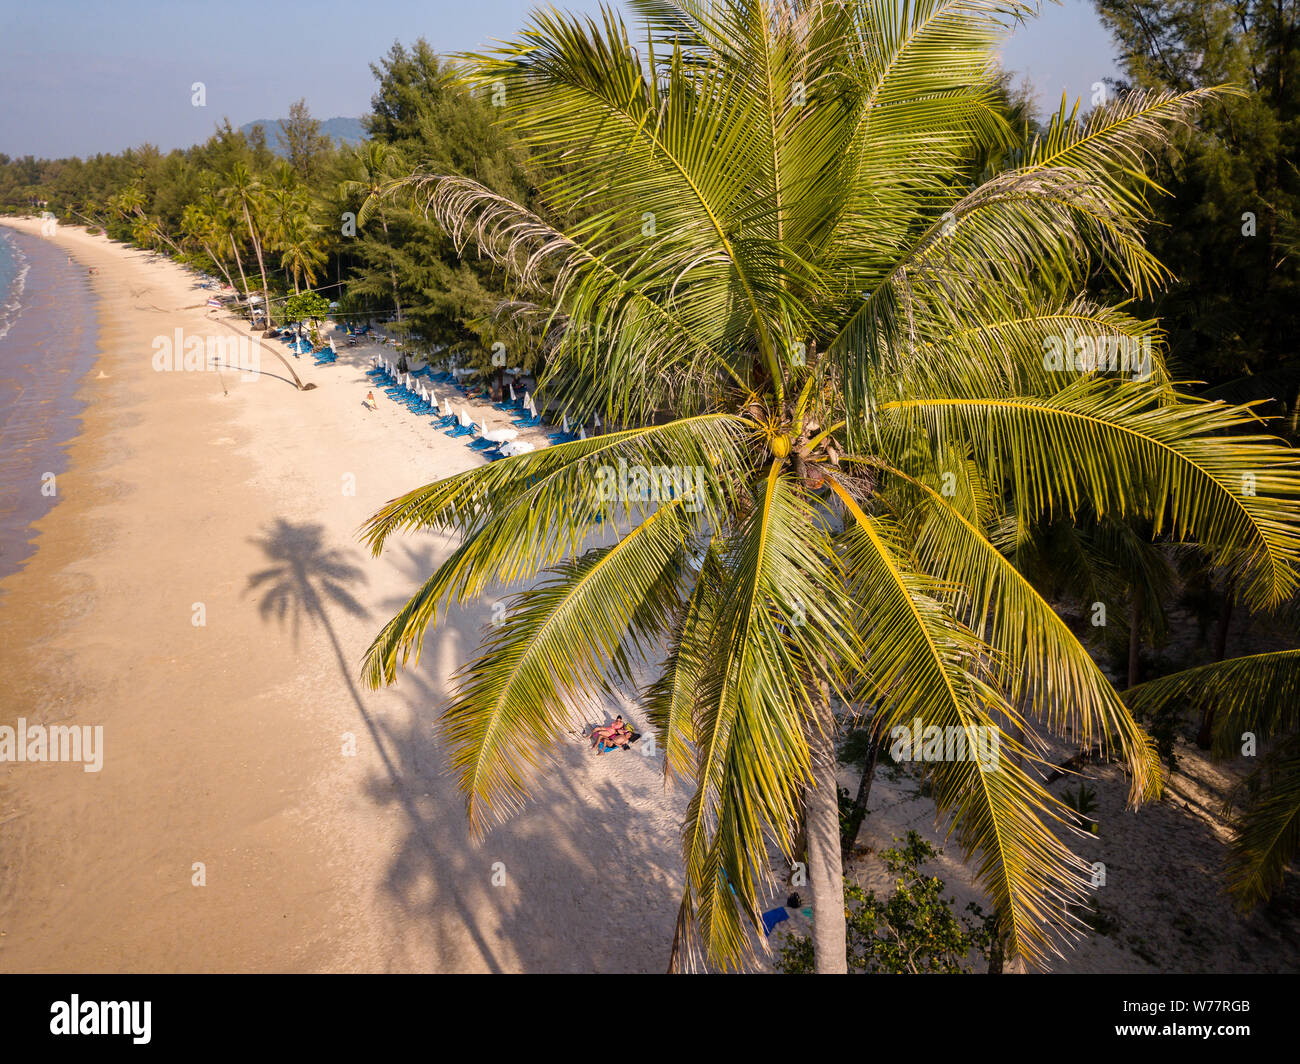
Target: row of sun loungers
x=416 y=390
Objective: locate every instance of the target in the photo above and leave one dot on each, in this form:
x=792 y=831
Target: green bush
x=309 y=306
x=913 y=931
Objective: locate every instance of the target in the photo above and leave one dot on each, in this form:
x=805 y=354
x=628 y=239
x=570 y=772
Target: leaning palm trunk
x=261 y=265
x=211 y=253
x=774 y=238
x=240 y=264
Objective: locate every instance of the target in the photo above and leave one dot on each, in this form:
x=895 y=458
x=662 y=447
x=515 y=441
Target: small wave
x=13 y=306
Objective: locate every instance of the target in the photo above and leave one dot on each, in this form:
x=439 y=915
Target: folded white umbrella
x=597 y=421
x=512 y=393
x=433 y=400
x=565 y=427
x=465 y=420
x=582 y=433
x=482 y=429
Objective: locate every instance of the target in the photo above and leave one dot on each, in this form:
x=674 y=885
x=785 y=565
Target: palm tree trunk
x=1205 y=733
x=860 y=802
x=996 y=954
x=220 y=265
x=240 y=263
x=1135 y=640
x=261 y=265
x=825 y=866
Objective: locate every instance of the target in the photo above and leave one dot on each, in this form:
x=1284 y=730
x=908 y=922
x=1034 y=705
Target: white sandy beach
x=224 y=744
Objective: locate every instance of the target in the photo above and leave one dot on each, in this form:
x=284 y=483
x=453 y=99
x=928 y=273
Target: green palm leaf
x=1119 y=447
x=561 y=640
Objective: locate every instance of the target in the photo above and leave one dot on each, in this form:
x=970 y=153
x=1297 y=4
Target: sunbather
x=369 y=401
x=615 y=734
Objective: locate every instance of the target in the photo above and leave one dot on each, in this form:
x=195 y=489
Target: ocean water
x=48 y=338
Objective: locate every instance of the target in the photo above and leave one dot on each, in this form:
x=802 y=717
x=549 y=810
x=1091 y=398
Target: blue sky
x=79 y=77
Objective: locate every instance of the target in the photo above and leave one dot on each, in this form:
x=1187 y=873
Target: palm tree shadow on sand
x=304 y=581
x=304 y=577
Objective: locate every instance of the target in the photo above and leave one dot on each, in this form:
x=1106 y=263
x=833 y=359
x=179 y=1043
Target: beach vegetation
x=912 y=931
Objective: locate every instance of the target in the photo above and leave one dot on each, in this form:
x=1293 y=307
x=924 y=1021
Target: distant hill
x=348 y=130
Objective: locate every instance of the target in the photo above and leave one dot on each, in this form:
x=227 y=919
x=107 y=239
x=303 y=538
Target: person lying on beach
x=620 y=739
x=369 y=401
x=607 y=731
x=617 y=734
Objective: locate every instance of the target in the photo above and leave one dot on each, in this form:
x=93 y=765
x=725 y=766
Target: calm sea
x=47 y=343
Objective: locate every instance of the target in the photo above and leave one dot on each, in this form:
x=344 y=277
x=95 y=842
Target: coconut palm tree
x=147 y=232
x=230 y=228
x=210 y=219
x=200 y=228
x=244 y=196
x=841 y=356
x=301 y=253
x=290 y=229
x=378 y=163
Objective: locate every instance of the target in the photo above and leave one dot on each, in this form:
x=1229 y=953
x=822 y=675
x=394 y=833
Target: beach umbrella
x=565 y=427
x=512 y=391
x=582 y=433
x=597 y=421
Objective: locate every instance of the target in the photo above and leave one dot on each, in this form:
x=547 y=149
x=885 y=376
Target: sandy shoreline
x=224 y=743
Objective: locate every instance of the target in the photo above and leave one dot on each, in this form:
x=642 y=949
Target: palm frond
x=559 y=642
x=522 y=514
x=1125 y=450
x=781 y=617
x=1049 y=675
x=927 y=671
x=1268 y=835
x=1257 y=693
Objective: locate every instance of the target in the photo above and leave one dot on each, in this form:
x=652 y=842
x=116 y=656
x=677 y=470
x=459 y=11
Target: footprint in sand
x=223 y=440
